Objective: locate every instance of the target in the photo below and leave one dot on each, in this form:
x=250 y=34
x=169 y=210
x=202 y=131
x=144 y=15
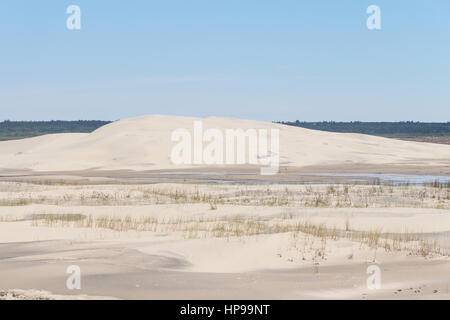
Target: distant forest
x=10 y=130
x=391 y=129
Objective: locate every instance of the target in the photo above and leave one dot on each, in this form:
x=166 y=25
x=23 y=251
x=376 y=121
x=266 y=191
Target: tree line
x=10 y=130
x=403 y=128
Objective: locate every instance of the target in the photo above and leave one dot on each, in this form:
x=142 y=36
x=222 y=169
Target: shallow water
x=382 y=178
x=292 y=178
x=387 y=177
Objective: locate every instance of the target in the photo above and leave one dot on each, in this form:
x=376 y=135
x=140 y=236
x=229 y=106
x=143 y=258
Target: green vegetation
x=11 y=130
x=391 y=129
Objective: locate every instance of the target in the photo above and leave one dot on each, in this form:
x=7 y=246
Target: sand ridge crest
x=144 y=143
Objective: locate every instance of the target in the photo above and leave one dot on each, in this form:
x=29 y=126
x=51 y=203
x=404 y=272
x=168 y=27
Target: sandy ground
x=180 y=257
x=144 y=143
x=112 y=203
x=128 y=269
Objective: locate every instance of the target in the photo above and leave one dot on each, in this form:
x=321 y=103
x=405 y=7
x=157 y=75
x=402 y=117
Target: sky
x=257 y=59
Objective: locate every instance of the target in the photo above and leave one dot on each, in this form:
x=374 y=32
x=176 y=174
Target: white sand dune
x=162 y=243
x=144 y=143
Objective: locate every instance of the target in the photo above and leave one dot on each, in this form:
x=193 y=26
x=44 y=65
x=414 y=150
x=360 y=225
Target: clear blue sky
x=259 y=59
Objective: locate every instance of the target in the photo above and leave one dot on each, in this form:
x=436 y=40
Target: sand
x=140 y=227
x=144 y=143
x=168 y=263
x=157 y=266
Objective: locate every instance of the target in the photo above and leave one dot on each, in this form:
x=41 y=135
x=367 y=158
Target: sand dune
x=175 y=240
x=178 y=240
x=144 y=143
x=191 y=250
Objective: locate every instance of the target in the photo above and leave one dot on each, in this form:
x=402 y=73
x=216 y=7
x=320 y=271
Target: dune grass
x=208 y=225
x=436 y=195
x=239 y=226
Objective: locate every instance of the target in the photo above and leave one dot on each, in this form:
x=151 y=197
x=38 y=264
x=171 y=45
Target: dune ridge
x=144 y=143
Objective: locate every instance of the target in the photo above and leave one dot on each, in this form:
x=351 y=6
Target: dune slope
x=144 y=143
